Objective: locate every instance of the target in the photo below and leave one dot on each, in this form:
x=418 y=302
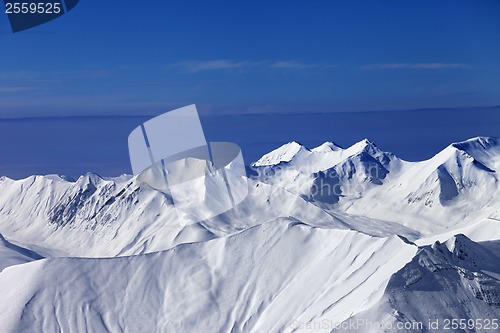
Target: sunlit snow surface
x=326 y=235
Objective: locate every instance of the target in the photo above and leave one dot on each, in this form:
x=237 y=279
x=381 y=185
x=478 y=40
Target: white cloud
x=430 y=65
x=291 y=64
x=13 y=89
x=196 y=66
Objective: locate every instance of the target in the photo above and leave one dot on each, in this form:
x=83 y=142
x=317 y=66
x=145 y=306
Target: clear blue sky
x=144 y=57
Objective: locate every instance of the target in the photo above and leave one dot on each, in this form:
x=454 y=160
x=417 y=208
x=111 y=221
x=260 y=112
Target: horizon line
x=247 y=113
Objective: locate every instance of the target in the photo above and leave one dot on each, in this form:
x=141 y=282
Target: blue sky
x=143 y=58
x=246 y=64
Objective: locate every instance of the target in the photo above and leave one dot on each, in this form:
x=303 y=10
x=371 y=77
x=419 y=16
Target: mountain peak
x=284 y=153
x=89 y=178
x=484 y=151
x=367 y=142
x=364 y=145
x=326 y=147
x=477 y=143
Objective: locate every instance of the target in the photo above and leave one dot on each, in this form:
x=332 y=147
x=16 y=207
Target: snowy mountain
x=458 y=279
x=456 y=187
x=326 y=236
x=96 y=217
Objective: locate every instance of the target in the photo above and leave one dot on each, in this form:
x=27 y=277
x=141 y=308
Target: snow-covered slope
x=458 y=279
x=325 y=236
x=259 y=280
x=89 y=217
x=11 y=254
